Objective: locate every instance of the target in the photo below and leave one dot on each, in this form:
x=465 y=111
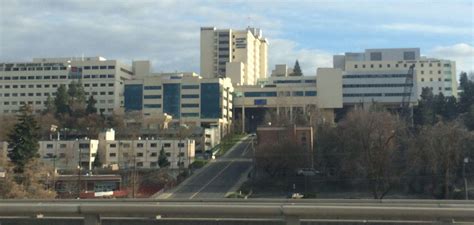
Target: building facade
x=379 y=75
x=238 y=54
x=69 y=154
x=289 y=96
x=187 y=97
x=143 y=154
x=32 y=82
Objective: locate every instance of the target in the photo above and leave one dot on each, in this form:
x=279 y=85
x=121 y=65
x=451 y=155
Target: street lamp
x=466 y=192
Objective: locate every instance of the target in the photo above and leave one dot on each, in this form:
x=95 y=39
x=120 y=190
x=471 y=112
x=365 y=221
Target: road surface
x=219 y=177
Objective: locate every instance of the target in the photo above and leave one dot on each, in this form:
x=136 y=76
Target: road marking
x=194 y=195
x=246 y=149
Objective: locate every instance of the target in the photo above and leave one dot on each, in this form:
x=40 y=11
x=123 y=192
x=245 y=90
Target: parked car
x=307 y=172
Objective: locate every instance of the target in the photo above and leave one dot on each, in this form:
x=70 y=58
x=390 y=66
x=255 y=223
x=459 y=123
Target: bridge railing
x=290 y=211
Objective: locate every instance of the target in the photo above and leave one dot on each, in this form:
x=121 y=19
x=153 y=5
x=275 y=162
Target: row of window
x=274 y=94
x=375 y=76
x=405 y=65
x=39 y=94
x=375 y=94
x=439 y=79
x=293 y=81
x=32 y=68
x=375 y=85
x=55 y=77
x=141 y=145
x=182 y=87
x=52 y=85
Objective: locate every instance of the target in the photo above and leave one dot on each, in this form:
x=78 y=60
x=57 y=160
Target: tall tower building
x=240 y=55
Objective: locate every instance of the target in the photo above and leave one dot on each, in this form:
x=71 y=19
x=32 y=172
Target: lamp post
x=79 y=174
x=466 y=192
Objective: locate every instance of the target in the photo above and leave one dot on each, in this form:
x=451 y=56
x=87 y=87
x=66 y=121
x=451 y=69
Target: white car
x=307 y=172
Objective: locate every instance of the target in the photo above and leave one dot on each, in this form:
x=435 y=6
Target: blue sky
x=167 y=32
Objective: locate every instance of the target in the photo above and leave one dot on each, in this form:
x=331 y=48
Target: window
x=153 y=164
x=152 y=106
x=95 y=67
x=111 y=84
x=153 y=145
x=84 y=145
x=139 y=154
x=190 y=114
x=355 y=66
x=439 y=71
x=190 y=96
x=190 y=105
x=112 y=154
x=409 y=55
x=431 y=79
x=180 y=145
x=139 y=164
x=139 y=145
x=190 y=87
x=111 y=67
x=260 y=94
x=168 y=154
x=126 y=145
x=371 y=65
x=113 y=145
x=62 y=155
x=181 y=154
x=376 y=56
x=422 y=79
x=297 y=93
x=310 y=93
x=152 y=87
x=363 y=65
x=49 y=146
x=152 y=96
x=103 y=67
x=62 y=146
x=167 y=145
x=422 y=72
x=153 y=154
x=421 y=64
x=380 y=65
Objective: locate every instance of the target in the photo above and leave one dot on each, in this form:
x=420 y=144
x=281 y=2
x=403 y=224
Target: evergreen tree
x=162 y=159
x=297 y=70
x=90 y=108
x=469 y=118
x=61 y=101
x=49 y=105
x=466 y=97
x=80 y=95
x=424 y=113
x=24 y=139
x=97 y=162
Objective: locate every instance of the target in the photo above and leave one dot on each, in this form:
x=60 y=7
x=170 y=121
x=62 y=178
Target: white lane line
x=246 y=149
x=194 y=195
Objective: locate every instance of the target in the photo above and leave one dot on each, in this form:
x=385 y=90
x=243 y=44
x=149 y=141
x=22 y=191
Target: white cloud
x=282 y=51
x=426 y=28
x=462 y=53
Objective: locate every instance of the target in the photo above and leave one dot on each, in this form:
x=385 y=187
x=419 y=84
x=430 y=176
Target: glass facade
x=260 y=94
x=133 y=94
x=172 y=100
x=210 y=101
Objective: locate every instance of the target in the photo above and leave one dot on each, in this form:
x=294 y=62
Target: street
x=218 y=178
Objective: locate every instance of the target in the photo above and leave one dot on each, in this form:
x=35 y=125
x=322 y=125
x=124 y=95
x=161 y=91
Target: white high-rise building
x=238 y=54
x=32 y=82
x=379 y=75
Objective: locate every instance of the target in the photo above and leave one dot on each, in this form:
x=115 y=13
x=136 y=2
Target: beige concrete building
x=281 y=70
x=69 y=154
x=290 y=96
x=237 y=54
x=32 y=82
x=144 y=153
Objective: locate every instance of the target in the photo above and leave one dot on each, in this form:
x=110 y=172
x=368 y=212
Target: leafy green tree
x=90 y=108
x=297 y=70
x=24 y=139
x=61 y=101
x=162 y=159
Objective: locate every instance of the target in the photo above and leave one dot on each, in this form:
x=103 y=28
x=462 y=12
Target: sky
x=167 y=32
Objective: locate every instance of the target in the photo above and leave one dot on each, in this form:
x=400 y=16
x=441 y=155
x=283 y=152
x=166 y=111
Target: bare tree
x=438 y=151
x=369 y=140
x=279 y=157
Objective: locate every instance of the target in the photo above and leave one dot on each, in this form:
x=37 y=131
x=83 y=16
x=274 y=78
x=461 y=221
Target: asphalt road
x=218 y=178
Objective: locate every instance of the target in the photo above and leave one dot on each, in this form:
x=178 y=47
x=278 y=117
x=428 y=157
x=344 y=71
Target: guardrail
x=290 y=211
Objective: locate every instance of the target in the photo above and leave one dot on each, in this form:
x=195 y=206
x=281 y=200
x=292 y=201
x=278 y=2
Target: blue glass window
x=172 y=100
x=152 y=106
x=190 y=96
x=133 y=97
x=210 y=100
x=310 y=81
x=152 y=87
x=310 y=93
x=260 y=94
x=152 y=96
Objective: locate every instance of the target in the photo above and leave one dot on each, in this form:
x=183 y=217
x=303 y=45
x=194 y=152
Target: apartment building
x=144 y=153
x=379 y=75
x=289 y=95
x=69 y=154
x=187 y=97
x=32 y=82
x=237 y=54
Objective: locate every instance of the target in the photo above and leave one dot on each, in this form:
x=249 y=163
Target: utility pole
x=79 y=175
x=466 y=191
